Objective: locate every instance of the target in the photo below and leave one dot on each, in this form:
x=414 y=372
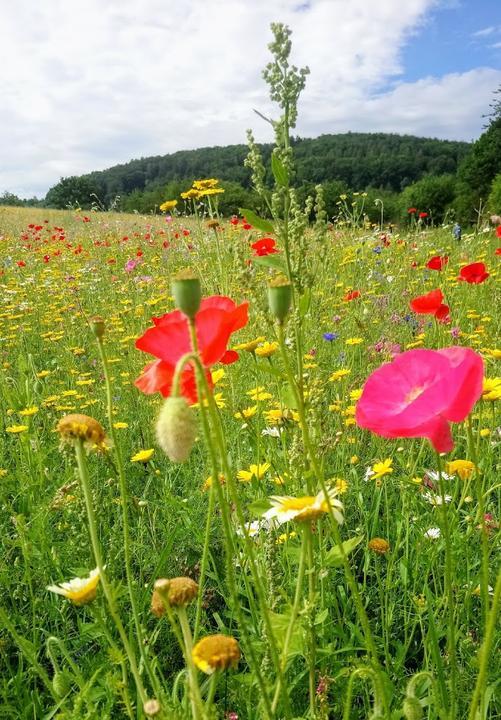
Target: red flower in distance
x=420 y=392
x=264 y=246
x=351 y=295
x=423 y=215
x=412 y=211
x=474 y=274
x=498 y=231
x=437 y=262
x=169 y=340
x=431 y=304
x=497 y=251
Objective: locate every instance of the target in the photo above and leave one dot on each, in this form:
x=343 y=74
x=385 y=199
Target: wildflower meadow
x=249 y=466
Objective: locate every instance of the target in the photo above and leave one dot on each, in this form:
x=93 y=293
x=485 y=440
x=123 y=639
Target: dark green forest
x=446 y=179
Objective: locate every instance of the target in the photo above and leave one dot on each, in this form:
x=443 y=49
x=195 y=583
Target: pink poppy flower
x=420 y=392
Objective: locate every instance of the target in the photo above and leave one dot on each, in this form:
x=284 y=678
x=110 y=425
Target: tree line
x=445 y=179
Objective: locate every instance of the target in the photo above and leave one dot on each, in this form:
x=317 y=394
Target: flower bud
x=151 y=708
x=187 y=292
x=280 y=297
x=176 y=429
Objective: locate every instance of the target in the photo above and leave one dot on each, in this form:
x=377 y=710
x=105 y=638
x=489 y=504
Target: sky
x=87 y=84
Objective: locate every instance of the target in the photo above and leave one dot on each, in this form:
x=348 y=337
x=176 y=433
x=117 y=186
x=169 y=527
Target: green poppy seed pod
x=412 y=709
x=176 y=429
x=280 y=297
x=97 y=325
x=187 y=292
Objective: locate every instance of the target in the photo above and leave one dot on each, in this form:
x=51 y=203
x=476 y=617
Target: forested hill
x=360 y=160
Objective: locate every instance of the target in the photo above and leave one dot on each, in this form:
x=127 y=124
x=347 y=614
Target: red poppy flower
x=431 y=304
x=498 y=251
x=352 y=295
x=412 y=211
x=474 y=274
x=216 y=320
x=437 y=262
x=264 y=246
x=420 y=392
x=498 y=231
x=423 y=215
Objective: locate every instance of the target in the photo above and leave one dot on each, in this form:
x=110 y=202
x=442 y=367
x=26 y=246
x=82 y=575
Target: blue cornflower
x=330 y=336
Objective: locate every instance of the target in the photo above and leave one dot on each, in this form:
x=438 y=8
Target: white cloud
x=86 y=84
x=484 y=32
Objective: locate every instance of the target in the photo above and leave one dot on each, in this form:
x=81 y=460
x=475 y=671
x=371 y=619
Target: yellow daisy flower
x=79 y=590
x=256 y=471
x=142 y=456
x=285 y=508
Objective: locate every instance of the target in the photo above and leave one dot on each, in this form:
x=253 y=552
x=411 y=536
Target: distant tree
x=72 y=191
x=432 y=194
x=494 y=199
x=8 y=198
x=477 y=172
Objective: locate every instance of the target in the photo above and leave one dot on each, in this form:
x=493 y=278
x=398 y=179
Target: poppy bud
x=187 y=292
x=280 y=297
x=151 y=708
x=176 y=429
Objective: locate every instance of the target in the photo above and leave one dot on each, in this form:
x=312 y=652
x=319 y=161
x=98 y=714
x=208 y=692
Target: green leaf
x=321 y=617
x=304 y=303
x=279 y=172
x=272 y=261
x=280 y=623
x=333 y=557
x=258 y=507
x=288 y=398
x=267 y=368
x=256 y=221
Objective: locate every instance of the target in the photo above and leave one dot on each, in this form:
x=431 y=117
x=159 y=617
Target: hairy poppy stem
x=96 y=549
x=450 y=592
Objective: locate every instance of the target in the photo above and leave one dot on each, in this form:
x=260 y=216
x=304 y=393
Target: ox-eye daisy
x=305 y=508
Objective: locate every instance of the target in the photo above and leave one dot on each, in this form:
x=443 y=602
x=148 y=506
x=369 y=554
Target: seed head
x=379 y=545
x=178 y=592
x=81 y=427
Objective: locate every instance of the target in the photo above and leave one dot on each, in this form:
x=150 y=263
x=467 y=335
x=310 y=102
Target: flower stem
x=96 y=549
x=485 y=650
x=203 y=389
x=484 y=566
x=125 y=518
x=449 y=591
x=318 y=472
x=205 y=555
x=292 y=620
x=195 y=696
